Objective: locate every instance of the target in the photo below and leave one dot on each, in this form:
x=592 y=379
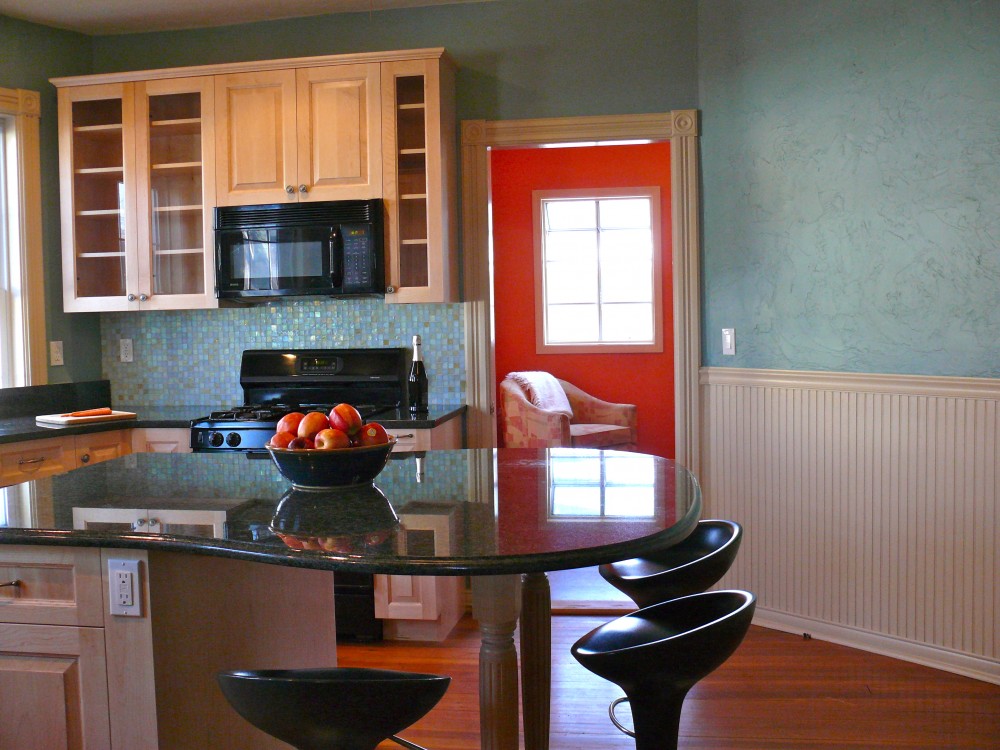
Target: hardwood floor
x=778 y=691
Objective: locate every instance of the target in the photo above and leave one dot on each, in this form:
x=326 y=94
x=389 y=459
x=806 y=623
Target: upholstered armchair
x=537 y=410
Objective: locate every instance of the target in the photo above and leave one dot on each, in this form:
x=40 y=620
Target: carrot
x=101 y=412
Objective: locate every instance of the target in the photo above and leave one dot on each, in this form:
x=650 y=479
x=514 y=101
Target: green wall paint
x=852 y=184
x=29 y=56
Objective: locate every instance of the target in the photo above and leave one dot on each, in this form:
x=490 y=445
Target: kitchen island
x=491 y=514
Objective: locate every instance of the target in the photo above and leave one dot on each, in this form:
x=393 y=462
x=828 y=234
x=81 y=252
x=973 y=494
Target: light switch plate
x=729 y=341
x=55 y=353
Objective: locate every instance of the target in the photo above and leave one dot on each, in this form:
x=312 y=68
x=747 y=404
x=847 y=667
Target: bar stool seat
x=657 y=654
x=690 y=567
x=343 y=708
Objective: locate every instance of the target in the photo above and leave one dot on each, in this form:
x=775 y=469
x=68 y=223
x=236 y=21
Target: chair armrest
x=592 y=410
x=524 y=425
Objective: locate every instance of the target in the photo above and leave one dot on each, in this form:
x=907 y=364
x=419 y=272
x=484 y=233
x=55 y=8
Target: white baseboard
x=896 y=648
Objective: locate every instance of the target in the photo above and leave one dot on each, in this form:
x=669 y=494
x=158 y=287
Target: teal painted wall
x=29 y=56
x=851 y=160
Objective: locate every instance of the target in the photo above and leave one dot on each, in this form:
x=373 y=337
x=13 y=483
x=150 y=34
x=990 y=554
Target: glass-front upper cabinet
x=418 y=119
x=136 y=208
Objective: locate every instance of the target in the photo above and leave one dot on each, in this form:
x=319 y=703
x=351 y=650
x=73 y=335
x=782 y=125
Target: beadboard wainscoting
x=870 y=505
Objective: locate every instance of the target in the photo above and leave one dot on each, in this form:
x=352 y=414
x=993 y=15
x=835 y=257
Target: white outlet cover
x=131 y=570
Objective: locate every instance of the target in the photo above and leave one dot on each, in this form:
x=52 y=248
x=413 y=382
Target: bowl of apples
x=317 y=450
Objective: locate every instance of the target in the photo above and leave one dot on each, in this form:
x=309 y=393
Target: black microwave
x=333 y=248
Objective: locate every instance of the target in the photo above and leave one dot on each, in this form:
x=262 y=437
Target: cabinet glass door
x=174 y=241
x=100 y=199
x=411 y=142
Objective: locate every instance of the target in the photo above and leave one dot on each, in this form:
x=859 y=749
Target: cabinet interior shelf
x=100 y=212
x=100 y=170
x=413 y=242
x=178 y=165
x=109 y=254
x=180 y=126
x=419 y=105
x=109 y=128
x=413 y=197
x=181 y=251
x=174 y=209
x=409 y=151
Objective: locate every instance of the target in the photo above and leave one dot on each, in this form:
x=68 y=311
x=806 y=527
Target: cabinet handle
x=303 y=189
x=289 y=189
x=26 y=461
x=143 y=297
x=408 y=435
x=131 y=298
x=15 y=583
x=85 y=458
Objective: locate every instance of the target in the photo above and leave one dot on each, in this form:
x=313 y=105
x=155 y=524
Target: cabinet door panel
x=101 y=446
x=339 y=133
x=53 y=688
x=58 y=586
x=21 y=462
x=255 y=137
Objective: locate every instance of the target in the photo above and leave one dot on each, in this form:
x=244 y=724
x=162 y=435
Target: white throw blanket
x=543 y=390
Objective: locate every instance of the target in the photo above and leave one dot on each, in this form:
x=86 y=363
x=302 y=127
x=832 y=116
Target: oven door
x=278 y=261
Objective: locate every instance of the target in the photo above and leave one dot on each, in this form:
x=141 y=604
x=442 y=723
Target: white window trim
x=543 y=347
x=24 y=212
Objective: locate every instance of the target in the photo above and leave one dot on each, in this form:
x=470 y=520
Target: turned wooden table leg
x=495 y=605
x=536 y=659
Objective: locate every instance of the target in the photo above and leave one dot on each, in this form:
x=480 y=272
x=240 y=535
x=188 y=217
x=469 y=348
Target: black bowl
x=322 y=469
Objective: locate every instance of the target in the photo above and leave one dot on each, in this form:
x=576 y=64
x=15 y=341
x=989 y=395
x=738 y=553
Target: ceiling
x=130 y=16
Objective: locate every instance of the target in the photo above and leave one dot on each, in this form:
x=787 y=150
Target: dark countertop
x=479 y=511
x=14 y=429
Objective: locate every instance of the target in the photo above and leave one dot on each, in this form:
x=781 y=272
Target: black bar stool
x=657 y=654
x=686 y=568
x=343 y=708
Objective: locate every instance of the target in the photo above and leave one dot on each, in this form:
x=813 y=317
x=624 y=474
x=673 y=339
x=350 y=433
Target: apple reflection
x=355 y=520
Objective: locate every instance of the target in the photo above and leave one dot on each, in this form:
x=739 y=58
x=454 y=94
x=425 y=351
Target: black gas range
x=278 y=381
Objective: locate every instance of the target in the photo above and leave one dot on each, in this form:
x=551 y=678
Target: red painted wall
x=646 y=380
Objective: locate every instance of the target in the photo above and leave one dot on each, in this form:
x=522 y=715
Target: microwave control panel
x=358 y=267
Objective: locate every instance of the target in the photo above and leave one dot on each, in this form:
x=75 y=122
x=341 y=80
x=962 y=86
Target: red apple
x=345 y=417
x=331 y=438
x=373 y=434
x=301 y=443
x=290 y=422
x=312 y=423
x=281 y=439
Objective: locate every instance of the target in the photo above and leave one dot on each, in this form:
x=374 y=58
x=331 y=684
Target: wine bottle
x=418 y=380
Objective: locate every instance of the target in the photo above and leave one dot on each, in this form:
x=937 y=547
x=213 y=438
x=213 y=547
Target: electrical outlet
x=55 y=353
x=124 y=595
x=125 y=350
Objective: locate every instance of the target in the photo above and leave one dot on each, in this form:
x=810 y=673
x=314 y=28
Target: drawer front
x=22 y=462
x=101 y=446
x=54 y=586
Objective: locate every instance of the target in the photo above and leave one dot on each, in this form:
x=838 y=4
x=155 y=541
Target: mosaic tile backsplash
x=193 y=356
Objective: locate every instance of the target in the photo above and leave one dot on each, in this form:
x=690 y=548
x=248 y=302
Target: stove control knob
x=233 y=439
x=215 y=439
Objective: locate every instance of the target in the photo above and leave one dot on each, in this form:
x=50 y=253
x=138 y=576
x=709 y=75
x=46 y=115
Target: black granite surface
x=18 y=411
x=477 y=511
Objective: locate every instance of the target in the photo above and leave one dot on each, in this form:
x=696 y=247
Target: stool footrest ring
x=614 y=719
x=406 y=743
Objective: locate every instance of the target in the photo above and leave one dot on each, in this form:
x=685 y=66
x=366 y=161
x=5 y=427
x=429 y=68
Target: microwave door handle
x=336 y=250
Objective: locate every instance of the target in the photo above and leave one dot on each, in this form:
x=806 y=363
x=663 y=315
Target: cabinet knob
x=390 y=290
x=303 y=189
x=143 y=297
x=139 y=523
x=289 y=189
x=131 y=298
x=85 y=458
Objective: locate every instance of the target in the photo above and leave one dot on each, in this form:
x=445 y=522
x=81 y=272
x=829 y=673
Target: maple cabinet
x=136 y=204
x=418 y=134
x=35 y=459
x=303 y=134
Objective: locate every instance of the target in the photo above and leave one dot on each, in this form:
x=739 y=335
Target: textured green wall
x=29 y=56
x=851 y=160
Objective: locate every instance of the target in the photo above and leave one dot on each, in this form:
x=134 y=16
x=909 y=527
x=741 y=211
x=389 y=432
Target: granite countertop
x=477 y=511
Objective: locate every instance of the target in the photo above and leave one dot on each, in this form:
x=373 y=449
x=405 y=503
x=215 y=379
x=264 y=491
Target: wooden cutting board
x=65 y=419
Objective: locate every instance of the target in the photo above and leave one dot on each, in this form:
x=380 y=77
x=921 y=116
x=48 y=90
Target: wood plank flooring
x=778 y=691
